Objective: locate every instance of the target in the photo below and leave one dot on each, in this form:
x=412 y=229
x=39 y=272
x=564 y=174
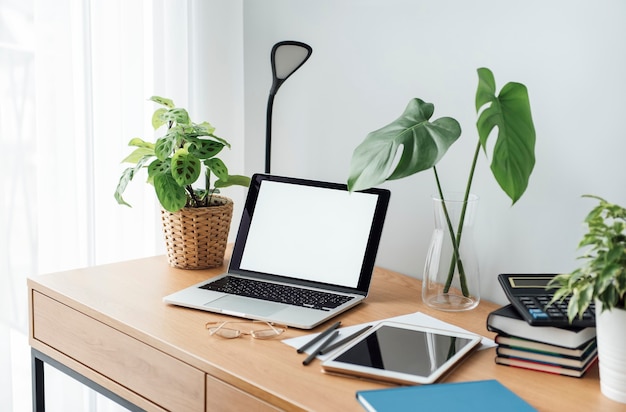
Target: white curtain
x=18 y=243
x=75 y=76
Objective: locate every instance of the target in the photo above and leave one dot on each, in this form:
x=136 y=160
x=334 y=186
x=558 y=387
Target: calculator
x=530 y=295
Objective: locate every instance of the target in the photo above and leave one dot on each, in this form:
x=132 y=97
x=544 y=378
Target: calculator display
x=530 y=282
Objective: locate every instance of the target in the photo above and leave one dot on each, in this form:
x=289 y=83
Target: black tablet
x=402 y=353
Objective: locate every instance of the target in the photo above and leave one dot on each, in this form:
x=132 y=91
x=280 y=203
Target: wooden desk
x=109 y=325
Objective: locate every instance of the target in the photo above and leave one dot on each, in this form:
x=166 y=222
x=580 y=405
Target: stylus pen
x=347 y=339
x=318 y=337
x=317 y=351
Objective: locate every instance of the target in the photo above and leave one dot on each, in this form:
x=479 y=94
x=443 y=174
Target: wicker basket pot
x=196 y=238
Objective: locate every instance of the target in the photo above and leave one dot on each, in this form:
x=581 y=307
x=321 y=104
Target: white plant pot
x=611 y=335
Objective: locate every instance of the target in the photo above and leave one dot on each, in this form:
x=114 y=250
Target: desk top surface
x=128 y=296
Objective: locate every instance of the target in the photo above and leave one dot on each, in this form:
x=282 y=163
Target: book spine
x=534 y=353
x=539 y=367
x=540 y=357
x=526 y=344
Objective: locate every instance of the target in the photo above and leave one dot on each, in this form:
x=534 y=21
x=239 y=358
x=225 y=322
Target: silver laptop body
x=297 y=234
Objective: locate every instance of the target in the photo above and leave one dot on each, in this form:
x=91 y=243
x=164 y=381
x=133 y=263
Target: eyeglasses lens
x=225 y=332
x=266 y=333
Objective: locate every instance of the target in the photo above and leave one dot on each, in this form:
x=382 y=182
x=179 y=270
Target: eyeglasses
x=219 y=329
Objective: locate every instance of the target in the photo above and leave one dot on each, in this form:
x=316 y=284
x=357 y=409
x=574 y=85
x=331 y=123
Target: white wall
x=371 y=56
x=216 y=72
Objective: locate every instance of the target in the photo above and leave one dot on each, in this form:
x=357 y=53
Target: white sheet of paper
x=417 y=319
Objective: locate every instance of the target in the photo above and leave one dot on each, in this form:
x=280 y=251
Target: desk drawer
x=144 y=370
x=223 y=397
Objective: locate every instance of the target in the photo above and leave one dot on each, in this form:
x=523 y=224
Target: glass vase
x=451 y=278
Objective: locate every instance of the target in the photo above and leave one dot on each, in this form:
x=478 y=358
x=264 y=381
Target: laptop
x=309 y=246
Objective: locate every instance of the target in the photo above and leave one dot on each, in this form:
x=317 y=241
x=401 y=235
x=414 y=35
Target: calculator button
x=538 y=314
x=556 y=315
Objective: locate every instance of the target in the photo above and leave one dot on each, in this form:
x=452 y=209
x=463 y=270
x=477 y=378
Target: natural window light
x=73 y=76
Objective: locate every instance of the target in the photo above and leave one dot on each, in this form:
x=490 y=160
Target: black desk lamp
x=287 y=57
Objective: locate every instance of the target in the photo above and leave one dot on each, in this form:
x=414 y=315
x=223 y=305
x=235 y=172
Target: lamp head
x=287 y=57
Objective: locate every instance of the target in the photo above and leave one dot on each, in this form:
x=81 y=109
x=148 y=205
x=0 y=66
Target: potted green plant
x=196 y=219
x=412 y=143
x=602 y=279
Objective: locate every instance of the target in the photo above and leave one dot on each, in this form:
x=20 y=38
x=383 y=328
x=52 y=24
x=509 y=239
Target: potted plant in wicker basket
x=602 y=279
x=196 y=221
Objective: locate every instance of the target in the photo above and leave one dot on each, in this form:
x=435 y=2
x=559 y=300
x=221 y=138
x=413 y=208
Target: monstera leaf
x=422 y=144
x=513 y=157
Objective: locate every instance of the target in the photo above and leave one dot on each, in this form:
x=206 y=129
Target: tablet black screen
x=403 y=350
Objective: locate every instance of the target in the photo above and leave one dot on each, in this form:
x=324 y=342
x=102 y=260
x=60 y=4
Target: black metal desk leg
x=39 y=359
x=38 y=390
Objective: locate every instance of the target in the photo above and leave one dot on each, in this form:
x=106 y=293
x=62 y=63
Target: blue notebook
x=487 y=395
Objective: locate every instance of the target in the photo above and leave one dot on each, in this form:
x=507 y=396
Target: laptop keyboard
x=277 y=293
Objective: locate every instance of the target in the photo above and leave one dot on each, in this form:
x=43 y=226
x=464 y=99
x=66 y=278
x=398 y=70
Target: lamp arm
x=268 y=130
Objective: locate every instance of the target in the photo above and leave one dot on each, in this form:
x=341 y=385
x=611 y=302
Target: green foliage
x=513 y=157
x=603 y=274
x=178 y=159
x=422 y=144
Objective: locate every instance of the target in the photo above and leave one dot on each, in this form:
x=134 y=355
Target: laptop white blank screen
x=309 y=233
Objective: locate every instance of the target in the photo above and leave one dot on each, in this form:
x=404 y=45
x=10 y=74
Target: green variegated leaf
x=158 y=167
x=138 y=154
x=615 y=254
x=138 y=142
x=422 y=144
x=233 y=180
x=185 y=167
x=573 y=306
x=204 y=129
x=513 y=157
x=204 y=149
x=165 y=146
x=219 y=139
x=201 y=194
x=177 y=115
x=218 y=168
x=195 y=136
x=186 y=130
x=171 y=196
x=163 y=101
x=127 y=175
x=158 y=118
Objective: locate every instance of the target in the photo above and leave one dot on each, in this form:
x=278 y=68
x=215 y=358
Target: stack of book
x=563 y=351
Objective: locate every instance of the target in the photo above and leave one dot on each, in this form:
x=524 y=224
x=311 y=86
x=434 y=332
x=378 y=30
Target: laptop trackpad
x=246 y=306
